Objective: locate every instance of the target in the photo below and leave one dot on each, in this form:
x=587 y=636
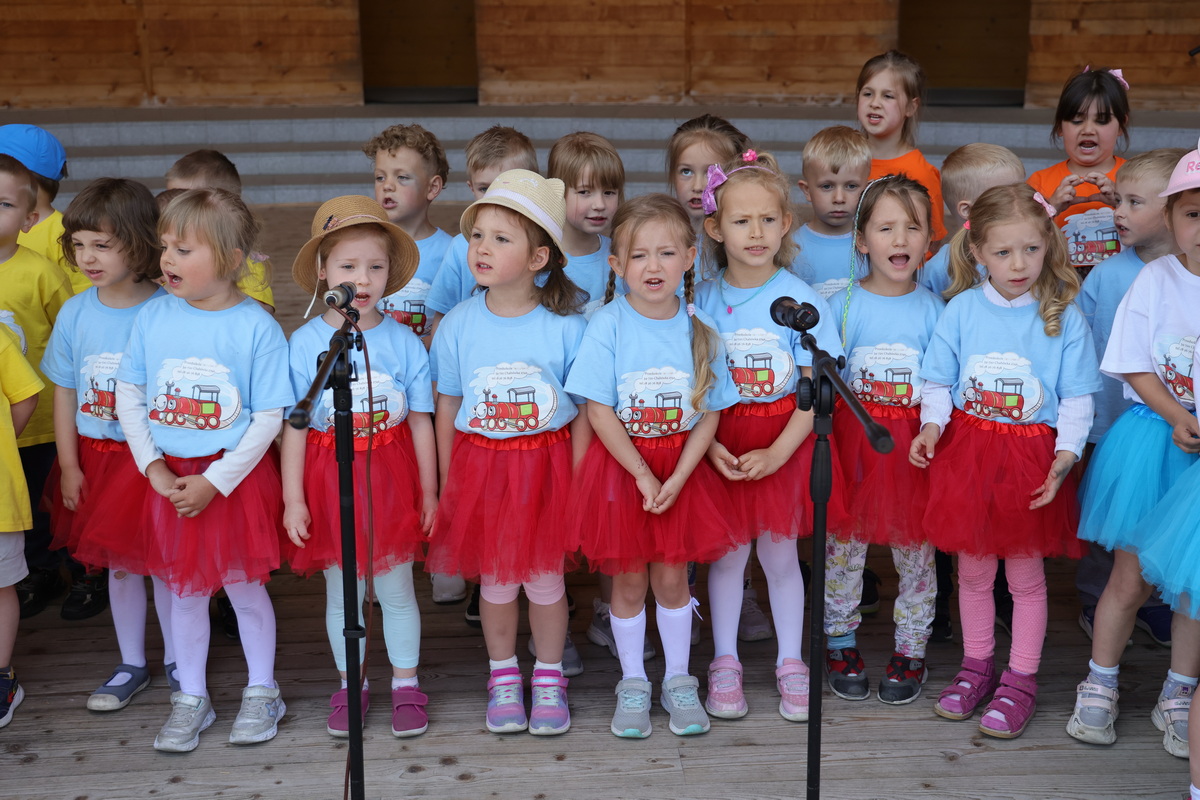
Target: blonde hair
x=717 y=133
x=415 y=138
x=498 y=144
x=763 y=171
x=1156 y=165
x=967 y=170
x=1058 y=283
x=584 y=153
x=212 y=168
x=629 y=219
x=373 y=230
x=912 y=80
x=221 y=219
x=553 y=289
x=838 y=147
x=126 y=210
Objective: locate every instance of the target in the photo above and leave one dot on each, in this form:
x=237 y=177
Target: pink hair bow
x=1051 y=210
x=1116 y=73
x=708 y=198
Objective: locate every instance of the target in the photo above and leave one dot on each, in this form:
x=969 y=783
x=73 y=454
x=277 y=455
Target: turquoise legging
x=401 y=617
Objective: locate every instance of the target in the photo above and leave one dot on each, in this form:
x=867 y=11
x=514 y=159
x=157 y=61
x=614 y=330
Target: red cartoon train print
x=519 y=413
x=413 y=315
x=1085 y=252
x=200 y=411
x=755 y=379
x=1180 y=385
x=1005 y=400
x=665 y=416
x=896 y=390
x=100 y=403
x=373 y=418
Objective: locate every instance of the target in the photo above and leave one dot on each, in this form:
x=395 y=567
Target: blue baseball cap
x=37 y=149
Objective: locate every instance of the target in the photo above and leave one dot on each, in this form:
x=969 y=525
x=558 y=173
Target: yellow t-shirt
x=257 y=281
x=32 y=290
x=46 y=238
x=18 y=382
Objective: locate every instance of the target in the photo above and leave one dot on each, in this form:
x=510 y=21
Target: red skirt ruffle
x=396 y=502
x=616 y=535
x=779 y=503
x=979 y=492
x=105 y=529
x=502 y=511
x=234 y=539
x=885 y=494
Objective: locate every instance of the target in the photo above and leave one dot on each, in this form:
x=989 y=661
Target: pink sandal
x=1021 y=692
x=973 y=684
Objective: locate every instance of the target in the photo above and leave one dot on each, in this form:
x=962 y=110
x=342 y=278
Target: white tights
x=256 y=625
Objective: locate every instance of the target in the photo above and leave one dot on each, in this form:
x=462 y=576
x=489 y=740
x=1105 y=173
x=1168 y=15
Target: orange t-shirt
x=1087 y=225
x=914 y=165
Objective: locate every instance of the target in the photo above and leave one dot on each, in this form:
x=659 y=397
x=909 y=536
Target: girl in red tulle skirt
x=646 y=501
x=95 y=491
x=395 y=459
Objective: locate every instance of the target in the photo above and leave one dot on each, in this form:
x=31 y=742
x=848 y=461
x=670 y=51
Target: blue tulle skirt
x=1134 y=465
x=1170 y=545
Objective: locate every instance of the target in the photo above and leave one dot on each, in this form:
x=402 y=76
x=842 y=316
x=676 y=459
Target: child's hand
x=1107 y=189
x=758 y=464
x=667 y=495
x=920 y=453
x=724 y=462
x=1186 y=435
x=193 y=495
x=161 y=478
x=73 y=487
x=1064 y=461
x=429 y=504
x=296 y=520
x=650 y=488
x=1064 y=196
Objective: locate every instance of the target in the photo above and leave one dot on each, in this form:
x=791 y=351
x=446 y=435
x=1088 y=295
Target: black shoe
x=87 y=597
x=227 y=617
x=37 y=589
x=472 y=613
x=869 y=604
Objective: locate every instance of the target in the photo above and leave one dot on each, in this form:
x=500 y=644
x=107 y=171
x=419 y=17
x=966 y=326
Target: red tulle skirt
x=105 y=529
x=779 y=503
x=234 y=539
x=502 y=512
x=979 y=492
x=615 y=533
x=396 y=502
x=885 y=494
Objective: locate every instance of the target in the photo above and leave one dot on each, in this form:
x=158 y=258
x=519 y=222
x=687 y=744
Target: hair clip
x=1051 y=210
x=1116 y=73
x=967 y=225
x=691 y=309
x=749 y=156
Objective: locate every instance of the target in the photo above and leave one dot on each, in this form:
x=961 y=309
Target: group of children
x=533 y=394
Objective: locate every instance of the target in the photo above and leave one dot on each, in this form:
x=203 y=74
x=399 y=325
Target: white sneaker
x=448 y=589
x=258 y=719
x=190 y=714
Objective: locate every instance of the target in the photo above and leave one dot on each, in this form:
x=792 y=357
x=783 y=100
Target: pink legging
x=977 y=607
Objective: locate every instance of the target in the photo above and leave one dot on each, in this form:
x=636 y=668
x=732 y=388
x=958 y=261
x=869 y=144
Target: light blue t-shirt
x=453 y=282
x=205 y=372
x=399 y=375
x=886 y=338
x=642 y=368
x=83 y=354
x=824 y=261
x=509 y=371
x=1102 y=292
x=762 y=357
x=407 y=306
x=590 y=273
x=1003 y=366
x=935 y=274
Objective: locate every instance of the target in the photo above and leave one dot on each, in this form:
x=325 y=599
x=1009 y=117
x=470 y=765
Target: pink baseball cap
x=1186 y=175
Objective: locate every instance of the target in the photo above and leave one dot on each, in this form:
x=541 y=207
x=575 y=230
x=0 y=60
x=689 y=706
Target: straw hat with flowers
x=341 y=213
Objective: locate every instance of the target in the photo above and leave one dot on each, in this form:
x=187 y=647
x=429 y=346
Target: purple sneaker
x=506 y=701
x=549 y=715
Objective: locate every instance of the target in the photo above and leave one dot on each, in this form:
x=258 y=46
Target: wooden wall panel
x=165 y=52
x=1149 y=41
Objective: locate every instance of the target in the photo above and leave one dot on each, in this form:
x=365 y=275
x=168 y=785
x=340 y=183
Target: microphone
x=787 y=312
x=341 y=296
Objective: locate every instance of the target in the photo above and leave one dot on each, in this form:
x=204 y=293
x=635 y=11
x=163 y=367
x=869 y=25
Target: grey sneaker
x=632 y=717
x=600 y=631
x=448 y=589
x=681 y=699
x=571 y=660
x=258 y=719
x=190 y=715
x=113 y=698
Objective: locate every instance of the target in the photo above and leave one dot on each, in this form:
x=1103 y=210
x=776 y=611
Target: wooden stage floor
x=55 y=748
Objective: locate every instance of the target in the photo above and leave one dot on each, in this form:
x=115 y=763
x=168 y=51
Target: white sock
x=675 y=631
x=630 y=635
x=1194 y=791
x=539 y=664
x=398 y=683
x=505 y=664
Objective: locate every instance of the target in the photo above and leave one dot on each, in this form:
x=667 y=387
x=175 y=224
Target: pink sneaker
x=339 y=718
x=409 y=717
x=725 y=698
x=506 y=701
x=792 y=680
x=550 y=714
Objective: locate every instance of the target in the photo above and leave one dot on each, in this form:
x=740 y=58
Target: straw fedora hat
x=341 y=213
x=542 y=200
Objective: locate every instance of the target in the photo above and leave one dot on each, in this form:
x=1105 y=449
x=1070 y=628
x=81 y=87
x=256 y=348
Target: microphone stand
x=818 y=393
x=335 y=371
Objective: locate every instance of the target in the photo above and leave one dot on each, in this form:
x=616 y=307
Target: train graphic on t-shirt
x=1004 y=400
x=755 y=379
x=100 y=403
x=373 y=418
x=412 y=314
x=519 y=413
x=1181 y=385
x=1086 y=252
x=665 y=416
x=200 y=411
x=895 y=390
